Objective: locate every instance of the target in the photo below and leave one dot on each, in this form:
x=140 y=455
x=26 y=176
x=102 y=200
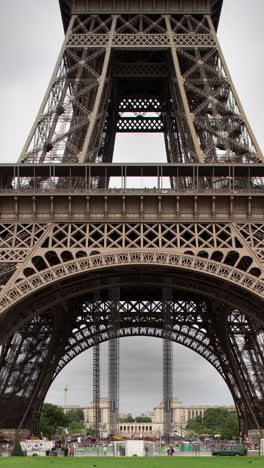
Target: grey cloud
x=195 y=381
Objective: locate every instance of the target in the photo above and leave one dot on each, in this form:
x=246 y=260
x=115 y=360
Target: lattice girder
x=96 y=367
x=209 y=121
x=194 y=322
x=182 y=324
x=135 y=71
x=74 y=242
x=22 y=358
x=28 y=361
x=34 y=249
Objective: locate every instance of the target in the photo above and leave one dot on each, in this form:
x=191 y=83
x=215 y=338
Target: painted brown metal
x=141 y=72
x=67 y=237
x=69 y=7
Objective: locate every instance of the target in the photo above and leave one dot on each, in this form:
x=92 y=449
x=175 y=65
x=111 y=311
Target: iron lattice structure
x=184 y=264
x=96 y=369
x=167 y=366
x=113 y=361
x=146 y=72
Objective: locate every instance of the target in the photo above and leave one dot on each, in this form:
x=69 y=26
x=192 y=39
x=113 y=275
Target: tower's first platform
x=210 y=7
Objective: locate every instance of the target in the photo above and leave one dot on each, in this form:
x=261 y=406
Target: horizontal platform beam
x=148 y=41
x=80 y=7
x=132 y=170
x=137 y=206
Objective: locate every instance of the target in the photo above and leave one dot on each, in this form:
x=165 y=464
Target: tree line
x=215 y=421
x=137 y=419
x=53 y=421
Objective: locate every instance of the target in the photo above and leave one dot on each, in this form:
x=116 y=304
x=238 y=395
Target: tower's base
x=254 y=436
x=10 y=434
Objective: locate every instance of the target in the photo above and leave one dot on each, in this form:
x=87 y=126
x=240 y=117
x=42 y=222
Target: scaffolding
x=96 y=367
x=167 y=365
x=113 y=361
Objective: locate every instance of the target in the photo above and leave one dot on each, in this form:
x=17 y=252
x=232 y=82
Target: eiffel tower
x=83 y=262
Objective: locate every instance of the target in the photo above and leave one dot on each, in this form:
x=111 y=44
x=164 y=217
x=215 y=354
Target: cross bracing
x=194 y=322
x=183 y=263
x=201 y=116
x=237 y=245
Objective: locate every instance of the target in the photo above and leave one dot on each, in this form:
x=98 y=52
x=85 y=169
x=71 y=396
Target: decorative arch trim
x=199 y=344
x=78 y=266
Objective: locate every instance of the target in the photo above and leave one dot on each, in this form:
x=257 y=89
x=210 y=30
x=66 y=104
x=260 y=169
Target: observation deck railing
x=129 y=179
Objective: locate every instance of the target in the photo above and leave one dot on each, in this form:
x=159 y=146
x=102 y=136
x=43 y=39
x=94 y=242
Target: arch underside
x=216 y=319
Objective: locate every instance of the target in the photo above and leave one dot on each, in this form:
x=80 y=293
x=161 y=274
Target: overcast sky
x=31 y=35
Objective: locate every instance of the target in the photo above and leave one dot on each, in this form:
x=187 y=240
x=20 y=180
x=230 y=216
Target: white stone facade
x=138 y=430
x=181 y=415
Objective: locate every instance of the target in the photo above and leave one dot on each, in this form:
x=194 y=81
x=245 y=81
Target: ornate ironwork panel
x=70 y=246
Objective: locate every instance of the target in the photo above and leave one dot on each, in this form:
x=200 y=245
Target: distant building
x=123 y=415
x=88 y=412
x=68 y=408
x=104 y=414
x=181 y=414
x=140 y=430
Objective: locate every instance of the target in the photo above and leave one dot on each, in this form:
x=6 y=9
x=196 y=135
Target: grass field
x=133 y=462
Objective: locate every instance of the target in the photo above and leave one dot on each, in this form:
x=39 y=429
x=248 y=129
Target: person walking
x=170 y=451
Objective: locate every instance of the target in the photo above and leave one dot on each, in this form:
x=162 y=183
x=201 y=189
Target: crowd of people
x=73 y=448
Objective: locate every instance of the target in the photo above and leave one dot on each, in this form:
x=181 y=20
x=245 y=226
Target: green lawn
x=133 y=462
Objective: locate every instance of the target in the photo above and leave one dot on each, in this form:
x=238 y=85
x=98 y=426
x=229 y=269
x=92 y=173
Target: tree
x=52 y=418
x=17 y=450
x=138 y=419
x=128 y=419
x=230 y=428
x=46 y=429
x=214 y=418
x=215 y=421
x=75 y=415
x=75 y=427
x=195 y=425
x=141 y=419
x=90 y=431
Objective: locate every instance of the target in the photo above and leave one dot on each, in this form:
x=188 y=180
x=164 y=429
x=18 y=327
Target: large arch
x=238 y=285
x=53 y=310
